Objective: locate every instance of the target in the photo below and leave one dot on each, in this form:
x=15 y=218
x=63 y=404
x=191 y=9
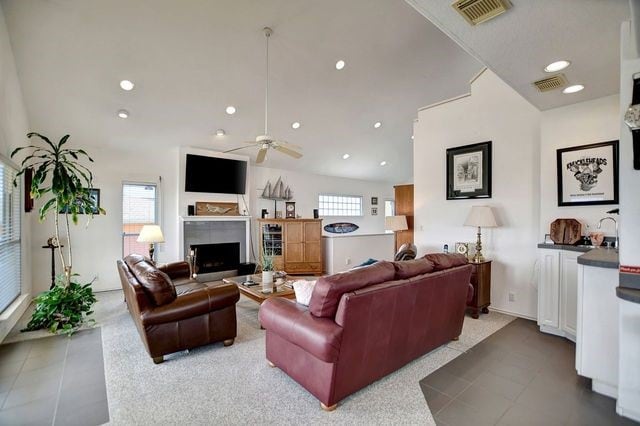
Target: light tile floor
x=54 y=381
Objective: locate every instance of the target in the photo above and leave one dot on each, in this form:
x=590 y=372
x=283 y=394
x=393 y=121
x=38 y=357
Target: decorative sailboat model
x=278 y=192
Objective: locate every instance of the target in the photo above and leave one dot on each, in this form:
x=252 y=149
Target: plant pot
x=267 y=281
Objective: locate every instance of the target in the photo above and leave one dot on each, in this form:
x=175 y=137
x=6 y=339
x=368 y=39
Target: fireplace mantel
x=214 y=218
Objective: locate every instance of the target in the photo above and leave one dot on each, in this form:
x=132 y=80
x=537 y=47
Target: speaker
x=191 y=210
x=246 y=268
x=315 y=214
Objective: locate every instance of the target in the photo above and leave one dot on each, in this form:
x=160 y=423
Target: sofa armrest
x=176 y=270
x=192 y=304
x=320 y=337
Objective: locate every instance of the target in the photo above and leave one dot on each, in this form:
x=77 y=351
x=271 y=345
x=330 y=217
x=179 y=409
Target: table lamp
x=395 y=224
x=480 y=216
x=151 y=234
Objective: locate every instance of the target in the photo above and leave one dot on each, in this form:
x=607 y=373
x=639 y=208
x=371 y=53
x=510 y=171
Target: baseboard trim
x=515 y=314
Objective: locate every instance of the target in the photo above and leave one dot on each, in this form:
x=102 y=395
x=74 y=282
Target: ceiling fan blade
x=287 y=144
x=235 y=149
x=288 y=151
x=261 y=154
x=252 y=142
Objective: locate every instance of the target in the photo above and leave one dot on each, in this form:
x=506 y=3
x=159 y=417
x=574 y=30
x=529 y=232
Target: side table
x=481 y=282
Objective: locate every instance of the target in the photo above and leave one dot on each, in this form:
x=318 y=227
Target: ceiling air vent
x=478 y=11
x=551 y=83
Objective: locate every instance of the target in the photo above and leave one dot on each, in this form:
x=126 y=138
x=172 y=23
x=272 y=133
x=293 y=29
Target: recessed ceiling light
x=231 y=110
x=345 y=156
x=220 y=132
x=340 y=64
x=123 y=113
x=557 y=66
x=573 y=89
x=411 y=137
x=295 y=125
x=377 y=125
x=126 y=85
x=383 y=163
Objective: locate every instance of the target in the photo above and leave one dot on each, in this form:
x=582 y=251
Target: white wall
x=306 y=187
x=13 y=129
x=343 y=252
x=578 y=124
x=96 y=246
x=493 y=112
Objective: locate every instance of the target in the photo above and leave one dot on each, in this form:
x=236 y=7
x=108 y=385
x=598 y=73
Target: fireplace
x=216 y=257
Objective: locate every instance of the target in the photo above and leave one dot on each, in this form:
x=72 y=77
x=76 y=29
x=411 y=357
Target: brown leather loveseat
x=364 y=324
x=173 y=312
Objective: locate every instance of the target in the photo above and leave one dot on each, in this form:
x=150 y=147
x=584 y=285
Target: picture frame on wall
x=469 y=171
x=588 y=175
x=374 y=211
x=374 y=201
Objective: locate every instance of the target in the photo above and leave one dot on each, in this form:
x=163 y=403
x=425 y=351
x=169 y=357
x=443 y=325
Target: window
x=10 y=247
x=139 y=208
x=339 y=205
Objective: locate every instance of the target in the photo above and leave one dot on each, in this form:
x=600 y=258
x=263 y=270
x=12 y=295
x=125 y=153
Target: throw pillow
x=303 y=290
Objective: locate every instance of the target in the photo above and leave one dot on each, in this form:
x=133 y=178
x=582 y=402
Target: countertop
x=628 y=294
x=600 y=257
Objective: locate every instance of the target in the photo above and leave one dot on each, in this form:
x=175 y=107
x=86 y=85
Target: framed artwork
x=374 y=211
x=94 y=194
x=214 y=208
x=588 y=175
x=374 y=201
x=469 y=171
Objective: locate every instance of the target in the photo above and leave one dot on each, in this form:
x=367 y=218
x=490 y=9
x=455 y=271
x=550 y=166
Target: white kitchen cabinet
x=557 y=292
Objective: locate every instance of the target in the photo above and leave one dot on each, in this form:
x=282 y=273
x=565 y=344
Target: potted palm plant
x=66 y=183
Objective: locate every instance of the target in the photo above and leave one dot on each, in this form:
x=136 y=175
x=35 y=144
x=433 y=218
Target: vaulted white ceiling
x=189 y=59
x=518 y=44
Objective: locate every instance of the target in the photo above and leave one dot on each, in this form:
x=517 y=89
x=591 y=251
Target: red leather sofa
x=366 y=323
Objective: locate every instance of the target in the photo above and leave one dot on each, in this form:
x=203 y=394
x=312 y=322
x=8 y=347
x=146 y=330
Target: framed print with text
x=588 y=174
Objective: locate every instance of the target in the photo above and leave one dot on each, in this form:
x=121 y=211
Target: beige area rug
x=234 y=385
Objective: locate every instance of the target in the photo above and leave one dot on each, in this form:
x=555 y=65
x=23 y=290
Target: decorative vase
x=267 y=281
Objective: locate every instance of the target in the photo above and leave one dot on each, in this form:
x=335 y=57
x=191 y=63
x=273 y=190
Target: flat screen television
x=215 y=175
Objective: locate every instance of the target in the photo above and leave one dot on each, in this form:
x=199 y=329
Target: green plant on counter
x=267 y=261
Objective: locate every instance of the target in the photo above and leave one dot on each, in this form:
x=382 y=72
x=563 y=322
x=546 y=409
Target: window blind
x=10 y=247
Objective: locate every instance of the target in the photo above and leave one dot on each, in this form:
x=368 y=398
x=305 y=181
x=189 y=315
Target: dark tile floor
x=54 y=381
x=517 y=376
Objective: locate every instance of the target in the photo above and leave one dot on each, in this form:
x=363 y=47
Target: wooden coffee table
x=256 y=293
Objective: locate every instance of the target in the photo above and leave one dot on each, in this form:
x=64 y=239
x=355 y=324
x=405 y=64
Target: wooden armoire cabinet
x=404 y=207
x=295 y=244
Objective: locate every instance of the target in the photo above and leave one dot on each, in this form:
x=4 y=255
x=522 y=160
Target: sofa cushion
x=411 y=268
x=155 y=283
x=446 y=260
x=328 y=291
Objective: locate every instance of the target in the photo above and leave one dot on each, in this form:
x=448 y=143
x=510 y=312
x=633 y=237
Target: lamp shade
x=395 y=223
x=481 y=216
x=151 y=234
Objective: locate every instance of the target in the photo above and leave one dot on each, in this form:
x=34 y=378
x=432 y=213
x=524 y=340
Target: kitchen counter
x=628 y=294
x=600 y=258
x=564 y=247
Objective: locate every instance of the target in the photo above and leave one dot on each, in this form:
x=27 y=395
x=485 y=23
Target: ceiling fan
x=265 y=141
